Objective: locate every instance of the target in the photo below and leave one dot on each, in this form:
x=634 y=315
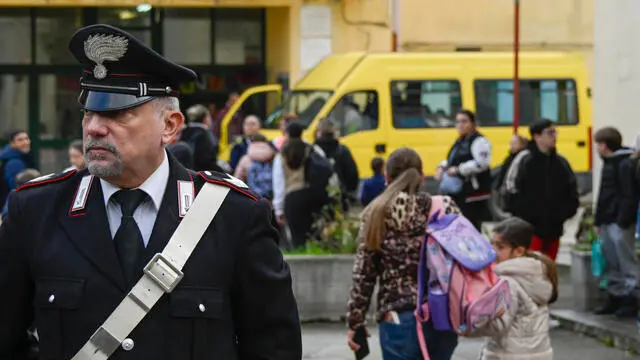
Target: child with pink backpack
x=458 y=290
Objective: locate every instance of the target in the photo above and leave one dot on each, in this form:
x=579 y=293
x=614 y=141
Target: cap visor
x=103 y=101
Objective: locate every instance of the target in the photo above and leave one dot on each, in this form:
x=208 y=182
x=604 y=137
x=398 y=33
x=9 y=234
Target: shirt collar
x=154 y=186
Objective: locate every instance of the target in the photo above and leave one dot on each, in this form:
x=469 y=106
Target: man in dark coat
x=343 y=163
x=615 y=218
x=545 y=188
x=74 y=245
x=200 y=138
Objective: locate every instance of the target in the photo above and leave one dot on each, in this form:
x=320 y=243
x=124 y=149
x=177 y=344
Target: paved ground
x=327 y=342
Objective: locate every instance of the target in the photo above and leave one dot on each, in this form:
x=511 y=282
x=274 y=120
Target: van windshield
x=306 y=104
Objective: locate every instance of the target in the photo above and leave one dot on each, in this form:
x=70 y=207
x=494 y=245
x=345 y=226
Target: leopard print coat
x=395 y=266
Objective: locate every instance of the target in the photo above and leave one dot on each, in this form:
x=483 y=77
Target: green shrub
x=336 y=231
x=586 y=231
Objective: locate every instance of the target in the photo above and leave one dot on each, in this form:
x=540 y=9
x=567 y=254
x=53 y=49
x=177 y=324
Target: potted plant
x=586 y=287
x=321 y=270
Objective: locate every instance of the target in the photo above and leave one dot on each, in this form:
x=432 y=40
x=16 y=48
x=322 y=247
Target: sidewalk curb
x=602 y=328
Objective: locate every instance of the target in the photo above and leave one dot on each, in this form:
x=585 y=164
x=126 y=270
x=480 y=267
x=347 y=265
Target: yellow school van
x=383 y=101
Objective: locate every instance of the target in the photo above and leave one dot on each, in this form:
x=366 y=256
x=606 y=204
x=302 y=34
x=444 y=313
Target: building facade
x=616 y=79
x=232 y=44
x=487 y=25
x=235 y=44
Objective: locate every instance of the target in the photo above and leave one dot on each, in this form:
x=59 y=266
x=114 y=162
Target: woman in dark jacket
x=516 y=145
x=465 y=174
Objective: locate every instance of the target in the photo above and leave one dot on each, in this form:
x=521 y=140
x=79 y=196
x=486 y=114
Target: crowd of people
x=536 y=186
x=296 y=177
x=538 y=189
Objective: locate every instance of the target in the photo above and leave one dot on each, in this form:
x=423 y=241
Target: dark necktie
x=128 y=240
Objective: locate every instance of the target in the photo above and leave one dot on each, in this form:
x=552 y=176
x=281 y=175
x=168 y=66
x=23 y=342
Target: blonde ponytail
x=409 y=181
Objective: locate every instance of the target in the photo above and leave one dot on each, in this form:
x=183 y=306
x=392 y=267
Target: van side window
x=356 y=111
x=425 y=103
x=555 y=100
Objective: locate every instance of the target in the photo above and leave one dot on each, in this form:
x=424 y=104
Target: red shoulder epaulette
x=47 y=179
x=229 y=181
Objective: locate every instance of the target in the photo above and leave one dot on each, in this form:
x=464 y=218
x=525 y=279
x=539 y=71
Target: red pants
x=547 y=247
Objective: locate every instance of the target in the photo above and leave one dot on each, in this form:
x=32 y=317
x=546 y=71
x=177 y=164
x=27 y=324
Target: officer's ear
x=173 y=122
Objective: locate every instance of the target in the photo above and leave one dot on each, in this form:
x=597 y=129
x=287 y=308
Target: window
x=60 y=116
x=54 y=28
x=260 y=104
x=419 y=104
x=306 y=104
x=15 y=36
x=555 y=100
x=129 y=19
x=14 y=100
x=238 y=36
x=187 y=35
x=354 y=112
x=124 y=17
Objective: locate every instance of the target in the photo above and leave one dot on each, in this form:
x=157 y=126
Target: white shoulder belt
x=161 y=275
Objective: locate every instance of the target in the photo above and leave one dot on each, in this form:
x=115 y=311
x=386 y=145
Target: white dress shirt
x=145 y=215
x=277 y=180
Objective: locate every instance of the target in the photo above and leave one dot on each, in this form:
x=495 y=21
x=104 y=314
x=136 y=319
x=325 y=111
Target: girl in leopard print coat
x=392 y=229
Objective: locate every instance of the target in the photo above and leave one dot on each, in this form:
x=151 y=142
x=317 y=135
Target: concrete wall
x=616 y=76
x=321 y=285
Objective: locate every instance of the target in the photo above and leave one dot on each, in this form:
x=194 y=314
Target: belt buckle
x=163 y=272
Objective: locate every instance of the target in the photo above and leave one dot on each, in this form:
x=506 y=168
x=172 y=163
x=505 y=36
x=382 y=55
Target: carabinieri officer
x=91 y=255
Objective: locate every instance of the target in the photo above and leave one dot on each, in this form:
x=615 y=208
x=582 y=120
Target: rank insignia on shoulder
x=229 y=181
x=47 y=179
x=235 y=181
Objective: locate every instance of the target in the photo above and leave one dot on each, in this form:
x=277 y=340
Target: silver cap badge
x=101 y=47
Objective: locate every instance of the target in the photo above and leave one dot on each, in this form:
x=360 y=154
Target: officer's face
x=129 y=144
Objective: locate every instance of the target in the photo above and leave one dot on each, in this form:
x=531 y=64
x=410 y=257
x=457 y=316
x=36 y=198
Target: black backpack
x=318 y=172
x=634 y=160
x=634 y=173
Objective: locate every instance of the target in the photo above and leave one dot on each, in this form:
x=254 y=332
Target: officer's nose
x=95 y=124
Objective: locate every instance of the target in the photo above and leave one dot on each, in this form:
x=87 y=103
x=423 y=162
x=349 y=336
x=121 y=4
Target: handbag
x=451 y=184
x=598 y=262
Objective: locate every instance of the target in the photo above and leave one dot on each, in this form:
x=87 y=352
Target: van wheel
x=495 y=207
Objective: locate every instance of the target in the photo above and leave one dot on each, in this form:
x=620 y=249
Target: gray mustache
x=90 y=144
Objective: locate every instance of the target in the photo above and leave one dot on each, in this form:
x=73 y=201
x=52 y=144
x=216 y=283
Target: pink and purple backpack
x=463 y=292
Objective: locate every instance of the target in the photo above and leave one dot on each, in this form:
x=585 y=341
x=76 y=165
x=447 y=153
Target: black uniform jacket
x=58 y=267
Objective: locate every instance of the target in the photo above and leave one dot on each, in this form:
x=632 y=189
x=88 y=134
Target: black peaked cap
x=120 y=71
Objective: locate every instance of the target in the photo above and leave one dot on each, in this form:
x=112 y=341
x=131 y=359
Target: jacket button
x=128 y=344
x=51 y=298
x=202 y=308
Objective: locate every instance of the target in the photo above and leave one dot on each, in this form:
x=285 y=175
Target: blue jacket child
x=373 y=186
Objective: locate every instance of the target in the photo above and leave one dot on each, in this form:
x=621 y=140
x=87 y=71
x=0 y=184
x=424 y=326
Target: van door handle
x=581 y=144
x=381 y=148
